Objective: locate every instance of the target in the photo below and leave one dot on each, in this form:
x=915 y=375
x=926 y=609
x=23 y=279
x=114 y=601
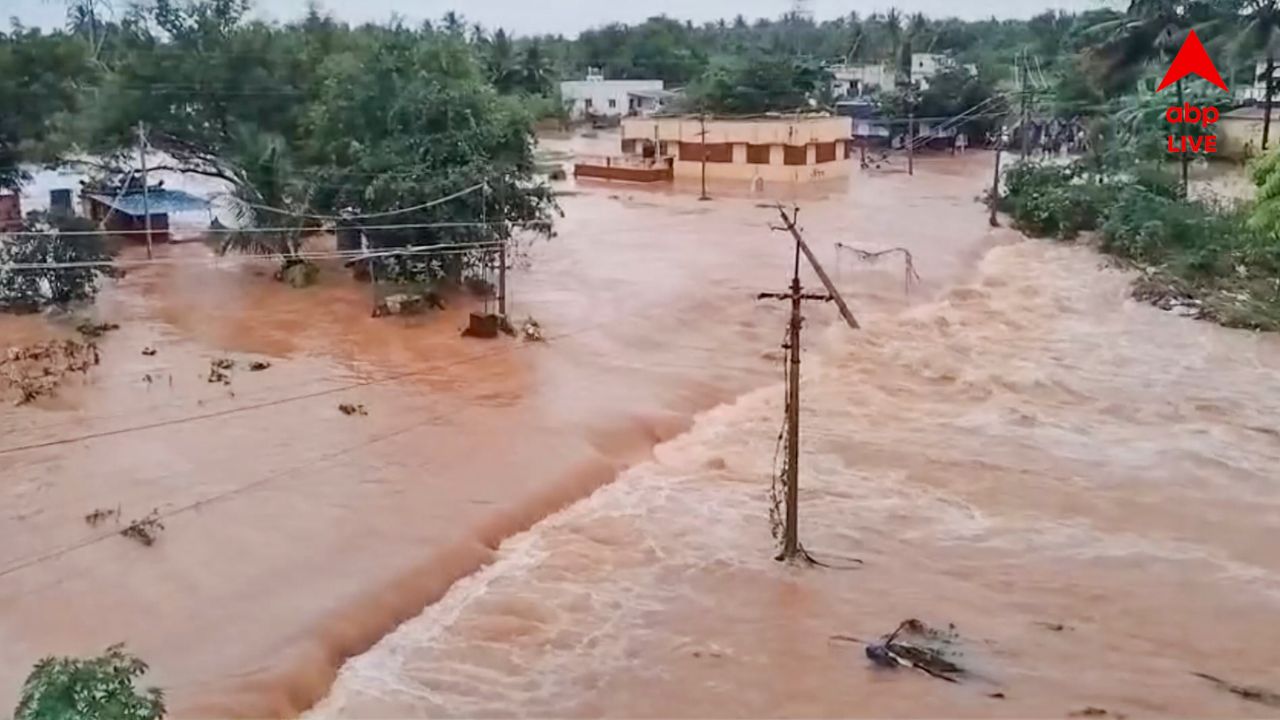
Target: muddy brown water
x=1016 y=443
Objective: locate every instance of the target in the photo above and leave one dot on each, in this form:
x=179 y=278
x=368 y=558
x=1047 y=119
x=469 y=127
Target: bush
x=30 y=289
x=1053 y=200
x=99 y=688
x=1192 y=238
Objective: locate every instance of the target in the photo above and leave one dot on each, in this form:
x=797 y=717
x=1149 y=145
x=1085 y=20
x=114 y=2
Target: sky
x=569 y=17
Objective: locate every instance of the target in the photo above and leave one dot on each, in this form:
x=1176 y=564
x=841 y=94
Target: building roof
x=655 y=94
x=159 y=202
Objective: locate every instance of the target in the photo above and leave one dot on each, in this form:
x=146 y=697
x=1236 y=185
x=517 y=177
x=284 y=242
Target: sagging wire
x=414 y=250
x=910 y=279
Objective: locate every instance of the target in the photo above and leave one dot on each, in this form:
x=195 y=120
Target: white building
x=864 y=79
x=596 y=96
x=1257 y=90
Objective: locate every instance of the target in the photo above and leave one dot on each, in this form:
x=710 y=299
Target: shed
x=124 y=212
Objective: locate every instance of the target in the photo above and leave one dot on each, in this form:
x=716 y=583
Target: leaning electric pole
x=791 y=548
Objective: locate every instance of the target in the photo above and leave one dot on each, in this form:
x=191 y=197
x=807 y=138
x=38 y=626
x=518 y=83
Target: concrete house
x=763 y=148
x=597 y=97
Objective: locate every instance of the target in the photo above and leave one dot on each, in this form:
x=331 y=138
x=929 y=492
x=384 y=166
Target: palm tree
x=535 y=69
x=264 y=180
x=1153 y=30
x=1261 y=34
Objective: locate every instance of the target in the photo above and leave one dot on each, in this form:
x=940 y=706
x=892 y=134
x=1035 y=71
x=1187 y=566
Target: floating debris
x=349 y=409
x=95 y=330
x=1248 y=692
x=996 y=695
x=916 y=645
x=146 y=531
x=36 y=370
x=218 y=368
x=149 y=351
x=1054 y=627
x=1090 y=712
x=258 y=365
x=531 y=331
x=101 y=515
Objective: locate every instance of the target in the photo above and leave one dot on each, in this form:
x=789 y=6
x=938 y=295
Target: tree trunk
x=1183 y=157
x=1266 y=117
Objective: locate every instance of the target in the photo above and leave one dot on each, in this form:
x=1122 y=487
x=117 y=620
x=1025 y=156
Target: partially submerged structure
x=121 y=209
x=761 y=148
x=10 y=212
x=597 y=97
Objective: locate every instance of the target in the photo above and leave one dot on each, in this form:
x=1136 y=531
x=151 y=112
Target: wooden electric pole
x=146 y=197
x=702 y=136
x=911 y=132
x=995 y=182
x=791 y=549
x=1022 y=90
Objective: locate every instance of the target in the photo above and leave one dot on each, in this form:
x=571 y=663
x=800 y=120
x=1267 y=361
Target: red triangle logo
x=1192 y=59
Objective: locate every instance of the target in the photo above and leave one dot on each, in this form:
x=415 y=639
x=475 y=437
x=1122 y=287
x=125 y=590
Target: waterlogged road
x=1014 y=445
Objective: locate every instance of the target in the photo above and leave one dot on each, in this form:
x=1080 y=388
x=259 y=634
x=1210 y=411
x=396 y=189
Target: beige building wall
x=775 y=132
x=1241 y=138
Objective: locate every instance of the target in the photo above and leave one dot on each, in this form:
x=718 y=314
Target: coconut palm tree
x=1260 y=35
x=1153 y=31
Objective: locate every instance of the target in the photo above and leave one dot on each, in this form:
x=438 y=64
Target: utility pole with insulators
x=146 y=198
x=791 y=548
x=702 y=136
x=1022 y=90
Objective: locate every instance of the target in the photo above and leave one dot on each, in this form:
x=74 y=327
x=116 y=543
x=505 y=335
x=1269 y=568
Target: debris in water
x=1252 y=693
x=1054 y=627
x=996 y=695
x=101 y=515
x=531 y=331
x=258 y=365
x=149 y=351
x=1090 y=712
x=218 y=368
x=146 y=530
x=37 y=370
x=349 y=409
x=916 y=645
x=95 y=330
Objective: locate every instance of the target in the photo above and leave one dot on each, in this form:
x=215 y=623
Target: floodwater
x=1013 y=447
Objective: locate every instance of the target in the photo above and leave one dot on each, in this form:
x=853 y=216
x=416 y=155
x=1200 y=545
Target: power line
x=387 y=213
x=400 y=226
x=442 y=249
x=54 y=554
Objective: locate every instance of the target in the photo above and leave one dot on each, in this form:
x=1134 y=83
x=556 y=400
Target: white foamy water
x=1031 y=448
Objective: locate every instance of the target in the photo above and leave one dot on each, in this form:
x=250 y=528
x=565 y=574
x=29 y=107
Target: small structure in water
x=770 y=148
x=123 y=209
x=10 y=212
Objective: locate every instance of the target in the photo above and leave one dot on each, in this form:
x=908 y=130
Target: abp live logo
x=1192 y=59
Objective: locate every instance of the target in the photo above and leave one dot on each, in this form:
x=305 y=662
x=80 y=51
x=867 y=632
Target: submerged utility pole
x=702 y=136
x=791 y=548
x=1022 y=90
x=995 y=182
x=146 y=198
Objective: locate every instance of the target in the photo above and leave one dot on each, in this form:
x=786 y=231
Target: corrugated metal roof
x=160 y=202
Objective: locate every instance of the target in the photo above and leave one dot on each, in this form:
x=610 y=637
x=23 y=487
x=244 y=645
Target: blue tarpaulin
x=160 y=202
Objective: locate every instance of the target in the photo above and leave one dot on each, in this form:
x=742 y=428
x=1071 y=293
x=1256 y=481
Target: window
x=613 y=103
x=587 y=102
x=716 y=152
x=825 y=152
x=758 y=154
x=794 y=154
